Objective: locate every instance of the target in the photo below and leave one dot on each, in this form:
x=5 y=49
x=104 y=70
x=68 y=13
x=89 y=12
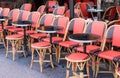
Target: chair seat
x=54 y=39
x=15 y=29
x=76 y=57
x=40 y=45
x=68 y=44
x=8 y=27
x=14 y=36
x=38 y=35
x=27 y=32
x=110 y=55
x=89 y=48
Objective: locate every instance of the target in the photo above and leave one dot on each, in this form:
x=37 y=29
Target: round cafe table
x=2 y=20
x=84 y=38
x=50 y=30
x=23 y=24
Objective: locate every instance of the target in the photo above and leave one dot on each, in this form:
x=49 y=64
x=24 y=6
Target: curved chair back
x=47 y=19
x=14 y=14
x=34 y=17
x=83 y=11
x=112 y=33
x=59 y=10
x=26 y=6
x=97 y=27
x=110 y=13
x=62 y=22
x=41 y=9
x=23 y=15
x=77 y=25
x=5 y=12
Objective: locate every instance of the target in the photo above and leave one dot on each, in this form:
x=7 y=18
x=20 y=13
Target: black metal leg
x=25 y=40
x=84 y=47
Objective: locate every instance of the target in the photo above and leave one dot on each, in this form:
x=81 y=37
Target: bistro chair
x=118 y=11
x=76 y=25
x=50 y=5
x=13 y=16
x=59 y=36
x=109 y=14
x=62 y=22
x=45 y=20
x=26 y=7
x=41 y=9
x=41 y=49
x=111 y=56
x=23 y=16
x=34 y=17
x=5 y=12
x=98 y=28
x=78 y=62
x=59 y=10
x=16 y=39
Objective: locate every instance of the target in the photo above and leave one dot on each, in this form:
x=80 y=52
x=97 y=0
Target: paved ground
x=21 y=68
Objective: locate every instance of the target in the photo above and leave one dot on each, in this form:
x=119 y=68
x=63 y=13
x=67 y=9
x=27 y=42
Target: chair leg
x=7 y=48
x=41 y=60
x=13 y=49
x=58 y=53
x=93 y=64
x=32 y=57
x=97 y=67
x=51 y=61
x=67 y=70
x=87 y=69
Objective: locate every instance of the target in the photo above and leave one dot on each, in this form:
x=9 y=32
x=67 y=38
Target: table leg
x=84 y=47
x=25 y=40
x=51 y=47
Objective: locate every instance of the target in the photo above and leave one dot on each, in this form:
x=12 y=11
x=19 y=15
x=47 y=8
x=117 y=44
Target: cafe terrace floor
x=20 y=68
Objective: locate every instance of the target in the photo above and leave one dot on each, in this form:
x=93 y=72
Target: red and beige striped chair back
x=23 y=15
x=26 y=6
x=14 y=14
x=5 y=12
x=41 y=9
x=47 y=19
x=97 y=27
x=77 y=25
x=62 y=22
x=34 y=17
x=59 y=10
